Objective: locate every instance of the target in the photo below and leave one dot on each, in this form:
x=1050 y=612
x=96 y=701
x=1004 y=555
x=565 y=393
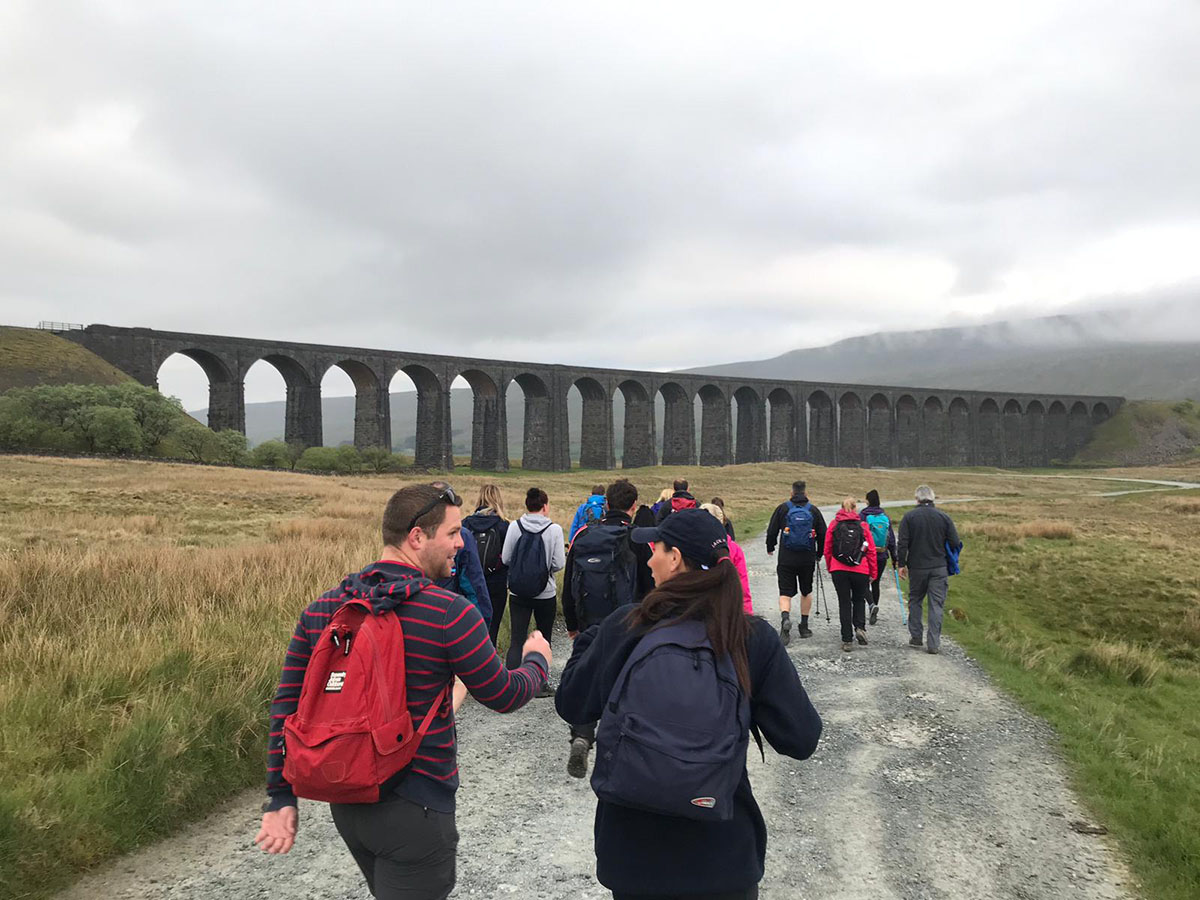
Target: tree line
x=133 y=420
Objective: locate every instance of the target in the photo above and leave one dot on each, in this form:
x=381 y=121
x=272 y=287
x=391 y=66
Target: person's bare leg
x=785 y=619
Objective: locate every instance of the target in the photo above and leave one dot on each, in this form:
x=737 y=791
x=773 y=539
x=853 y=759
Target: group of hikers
x=670 y=674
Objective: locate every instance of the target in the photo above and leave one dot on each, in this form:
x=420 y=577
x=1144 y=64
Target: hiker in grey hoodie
x=544 y=605
x=924 y=534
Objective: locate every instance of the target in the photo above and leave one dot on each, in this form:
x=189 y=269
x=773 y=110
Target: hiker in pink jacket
x=736 y=556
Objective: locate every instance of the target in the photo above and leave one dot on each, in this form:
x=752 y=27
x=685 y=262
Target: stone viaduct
x=827 y=424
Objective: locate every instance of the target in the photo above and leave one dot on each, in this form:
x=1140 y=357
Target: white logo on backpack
x=336 y=682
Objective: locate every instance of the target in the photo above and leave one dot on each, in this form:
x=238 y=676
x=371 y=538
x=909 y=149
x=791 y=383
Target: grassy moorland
x=144 y=606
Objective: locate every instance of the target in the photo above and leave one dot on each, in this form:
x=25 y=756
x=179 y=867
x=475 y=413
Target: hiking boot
x=547 y=691
x=847 y=646
x=860 y=636
x=804 y=631
x=785 y=632
x=577 y=762
x=932 y=650
x=874 y=614
x=915 y=642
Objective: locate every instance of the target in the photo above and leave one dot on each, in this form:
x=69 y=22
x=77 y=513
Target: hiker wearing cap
x=533 y=551
x=885 y=545
x=925 y=534
x=402 y=836
x=605 y=572
x=685 y=676
x=680 y=499
x=737 y=556
x=850 y=560
x=799 y=529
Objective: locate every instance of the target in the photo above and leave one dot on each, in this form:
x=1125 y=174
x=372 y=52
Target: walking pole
x=900 y=596
x=821 y=587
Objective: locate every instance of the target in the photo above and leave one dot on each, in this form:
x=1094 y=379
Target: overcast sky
x=647 y=185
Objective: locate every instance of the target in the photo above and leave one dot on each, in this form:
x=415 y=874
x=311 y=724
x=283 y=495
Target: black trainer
x=577 y=761
x=805 y=632
x=785 y=632
x=547 y=691
x=874 y=614
x=915 y=642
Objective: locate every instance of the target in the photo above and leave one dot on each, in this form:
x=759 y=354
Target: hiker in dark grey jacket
x=924 y=533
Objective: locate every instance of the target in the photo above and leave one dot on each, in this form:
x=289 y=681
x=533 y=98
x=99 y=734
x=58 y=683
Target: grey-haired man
x=924 y=534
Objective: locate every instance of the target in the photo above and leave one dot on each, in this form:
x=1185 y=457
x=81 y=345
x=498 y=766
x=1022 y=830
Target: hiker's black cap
x=696 y=533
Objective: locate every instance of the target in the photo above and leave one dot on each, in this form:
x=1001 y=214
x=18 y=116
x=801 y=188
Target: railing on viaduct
x=828 y=424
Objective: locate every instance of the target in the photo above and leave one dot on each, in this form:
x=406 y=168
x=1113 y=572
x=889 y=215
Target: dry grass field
x=144 y=607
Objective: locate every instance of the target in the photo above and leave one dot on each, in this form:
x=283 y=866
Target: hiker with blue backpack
x=885 y=546
x=798 y=528
x=533 y=551
x=679 y=684
x=590 y=510
x=927 y=553
x=605 y=572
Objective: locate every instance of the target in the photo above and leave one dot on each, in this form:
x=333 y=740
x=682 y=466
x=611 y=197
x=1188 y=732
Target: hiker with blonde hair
x=737 y=556
x=488 y=525
x=850 y=559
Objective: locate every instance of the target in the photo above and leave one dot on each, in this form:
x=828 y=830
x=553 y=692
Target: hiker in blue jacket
x=648 y=855
x=884 y=537
x=590 y=510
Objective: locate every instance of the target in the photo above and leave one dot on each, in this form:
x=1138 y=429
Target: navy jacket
x=924 y=533
x=468 y=577
x=644 y=852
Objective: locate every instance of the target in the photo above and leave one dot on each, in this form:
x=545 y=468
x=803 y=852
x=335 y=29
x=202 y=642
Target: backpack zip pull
x=346 y=649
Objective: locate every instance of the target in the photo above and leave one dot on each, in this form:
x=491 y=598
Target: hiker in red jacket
x=850 y=559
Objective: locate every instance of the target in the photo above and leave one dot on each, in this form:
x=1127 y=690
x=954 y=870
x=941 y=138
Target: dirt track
x=927 y=784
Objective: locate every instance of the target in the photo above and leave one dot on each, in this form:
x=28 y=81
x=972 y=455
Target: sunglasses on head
x=446 y=496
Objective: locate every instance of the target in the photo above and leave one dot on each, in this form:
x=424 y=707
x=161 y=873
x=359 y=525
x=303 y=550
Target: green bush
x=229 y=446
x=319 y=459
x=272 y=454
x=108 y=429
x=380 y=459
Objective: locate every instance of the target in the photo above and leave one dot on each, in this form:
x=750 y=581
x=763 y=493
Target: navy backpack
x=604 y=575
x=672 y=739
x=528 y=570
x=798 y=528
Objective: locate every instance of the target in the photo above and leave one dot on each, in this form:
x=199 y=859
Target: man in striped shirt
x=406 y=843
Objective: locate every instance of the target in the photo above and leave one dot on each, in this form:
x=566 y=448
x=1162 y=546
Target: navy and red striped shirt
x=444 y=636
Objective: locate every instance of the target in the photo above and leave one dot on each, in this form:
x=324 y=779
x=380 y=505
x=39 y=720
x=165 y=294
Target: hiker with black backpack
x=488 y=525
x=678 y=685
x=466 y=575
x=590 y=510
x=679 y=499
x=798 y=528
x=533 y=551
x=605 y=572
x=852 y=566
x=381 y=750
x=884 y=537
x=927 y=537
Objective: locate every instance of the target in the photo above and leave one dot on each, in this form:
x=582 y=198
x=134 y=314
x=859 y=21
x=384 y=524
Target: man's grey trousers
x=931 y=583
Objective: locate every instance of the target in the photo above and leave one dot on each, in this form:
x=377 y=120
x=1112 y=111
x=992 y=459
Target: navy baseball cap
x=696 y=533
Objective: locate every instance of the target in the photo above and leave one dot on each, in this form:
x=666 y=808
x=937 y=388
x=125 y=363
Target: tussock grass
x=1124 y=662
x=1013 y=532
x=1189 y=505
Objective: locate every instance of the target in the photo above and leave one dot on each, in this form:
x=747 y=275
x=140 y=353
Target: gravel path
x=927 y=784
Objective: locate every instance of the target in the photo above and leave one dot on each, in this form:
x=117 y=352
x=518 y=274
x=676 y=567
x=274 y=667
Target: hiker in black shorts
x=799 y=529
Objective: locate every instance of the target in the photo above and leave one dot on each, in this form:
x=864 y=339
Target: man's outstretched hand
x=278 y=831
x=536 y=644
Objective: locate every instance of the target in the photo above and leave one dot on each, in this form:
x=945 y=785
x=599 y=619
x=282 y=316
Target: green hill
x=29 y=357
x=1145 y=433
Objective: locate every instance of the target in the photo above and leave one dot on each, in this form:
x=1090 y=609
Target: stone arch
x=852 y=430
x=537 y=444
x=226 y=400
x=908 y=431
x=639 y=444
x=988 y=450
x=1056 y=432
x=1100 y=413
x=1011 y=435
x=1079 y=427
x=432 y=444
x=1034 y=448
x=751 y=434
x=302 y=417
x=934 y=436
x=489 y=420
x=879 y=431
x=679 y=426
x=714 y=426
x=782 y=446
x=372 y=413
x=596 y=425
x=958 y=421
x=820 y=428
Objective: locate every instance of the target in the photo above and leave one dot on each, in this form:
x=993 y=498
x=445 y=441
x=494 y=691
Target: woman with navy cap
x=679 y=683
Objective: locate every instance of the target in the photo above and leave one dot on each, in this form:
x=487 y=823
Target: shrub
x=107 y=429
x=229 y=446
x=380 y=459
x=319 y=459
x=194 y=440
x=272 y=454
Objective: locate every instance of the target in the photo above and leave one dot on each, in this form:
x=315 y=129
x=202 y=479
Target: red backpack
x=351 y=731
x=678 y=503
